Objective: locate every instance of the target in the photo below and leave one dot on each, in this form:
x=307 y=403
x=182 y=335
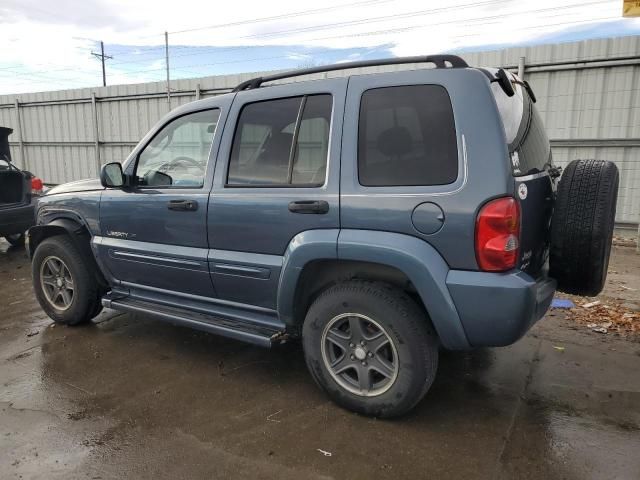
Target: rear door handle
x=183 y=205
x=309 y=206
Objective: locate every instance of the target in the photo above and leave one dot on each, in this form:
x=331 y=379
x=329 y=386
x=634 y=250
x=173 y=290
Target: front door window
x=177 y=155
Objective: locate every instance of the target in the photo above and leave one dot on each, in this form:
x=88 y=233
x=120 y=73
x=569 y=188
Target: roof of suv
x=444 y=62
x=441 y=62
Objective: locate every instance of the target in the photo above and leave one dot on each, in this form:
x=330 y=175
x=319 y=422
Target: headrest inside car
x=395 y=141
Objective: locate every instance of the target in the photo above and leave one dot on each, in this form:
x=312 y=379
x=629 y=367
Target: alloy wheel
x=57 y=283
x=359 y=354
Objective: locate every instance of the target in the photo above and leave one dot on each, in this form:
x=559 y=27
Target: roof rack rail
x=440 y=61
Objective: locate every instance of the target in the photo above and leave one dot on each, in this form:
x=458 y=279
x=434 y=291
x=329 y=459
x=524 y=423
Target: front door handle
x=183 y=205
x=309 y=206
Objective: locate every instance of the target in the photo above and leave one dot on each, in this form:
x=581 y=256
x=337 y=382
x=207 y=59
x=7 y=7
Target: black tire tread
x=582 y=226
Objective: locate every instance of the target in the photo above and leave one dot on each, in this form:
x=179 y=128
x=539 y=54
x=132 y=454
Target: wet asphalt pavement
x=132 y=397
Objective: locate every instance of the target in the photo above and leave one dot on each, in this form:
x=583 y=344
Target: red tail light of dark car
x=36 y=186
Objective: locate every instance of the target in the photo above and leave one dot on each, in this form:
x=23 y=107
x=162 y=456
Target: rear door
x=277 y=176
x=531 y=160
x=403 y=159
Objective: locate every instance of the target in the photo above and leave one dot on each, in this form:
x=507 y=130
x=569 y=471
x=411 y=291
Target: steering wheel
x=182 y=161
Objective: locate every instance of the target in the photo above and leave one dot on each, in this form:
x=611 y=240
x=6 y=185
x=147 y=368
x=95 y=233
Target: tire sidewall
x=413 y=377
x=84 y=284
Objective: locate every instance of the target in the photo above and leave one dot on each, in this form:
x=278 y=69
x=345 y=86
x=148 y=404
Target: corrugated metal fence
x=588 y=94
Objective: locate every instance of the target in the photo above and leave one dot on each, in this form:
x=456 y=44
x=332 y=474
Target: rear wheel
x=582 y=226
x=16 y=240
x=64 y=281
x=370 y=347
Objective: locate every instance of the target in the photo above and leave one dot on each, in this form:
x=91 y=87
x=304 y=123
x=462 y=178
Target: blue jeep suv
x=377 y=217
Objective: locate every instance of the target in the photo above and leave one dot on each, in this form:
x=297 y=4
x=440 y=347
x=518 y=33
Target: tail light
x=497 y=235
x=36 y=186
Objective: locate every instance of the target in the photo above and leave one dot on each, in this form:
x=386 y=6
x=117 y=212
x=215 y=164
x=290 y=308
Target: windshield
x=529 y=148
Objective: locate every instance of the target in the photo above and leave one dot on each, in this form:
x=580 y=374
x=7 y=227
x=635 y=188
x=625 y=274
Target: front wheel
x=64 y=281
x=370 y=347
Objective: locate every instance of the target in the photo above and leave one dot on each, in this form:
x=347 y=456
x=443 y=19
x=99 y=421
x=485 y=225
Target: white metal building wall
x=590 y=110
x=590 y=103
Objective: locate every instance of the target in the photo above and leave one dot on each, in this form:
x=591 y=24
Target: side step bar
x=243 y=331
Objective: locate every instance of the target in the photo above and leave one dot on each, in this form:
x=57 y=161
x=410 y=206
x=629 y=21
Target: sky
x=46 y=45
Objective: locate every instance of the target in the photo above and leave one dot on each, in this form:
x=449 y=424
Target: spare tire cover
x=582 y=226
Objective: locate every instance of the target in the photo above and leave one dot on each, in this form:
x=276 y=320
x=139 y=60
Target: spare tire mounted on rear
x=582 y=226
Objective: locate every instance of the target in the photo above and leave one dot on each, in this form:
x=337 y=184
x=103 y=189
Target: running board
x=244 y=331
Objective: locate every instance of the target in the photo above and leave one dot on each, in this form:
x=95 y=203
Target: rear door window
x=281 y=142
x=407 y=137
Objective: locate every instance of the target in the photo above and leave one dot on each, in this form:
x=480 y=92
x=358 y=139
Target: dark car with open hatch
x=18 y=190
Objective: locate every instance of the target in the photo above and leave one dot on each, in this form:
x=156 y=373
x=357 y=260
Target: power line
x=368 y=20
x=371 y=33
x=322 y=52
x=414 y=27
x=294 y=14
x=291 y=15
x=418 y=13
x=282 y=16
x=357 y=22
x=385 y=18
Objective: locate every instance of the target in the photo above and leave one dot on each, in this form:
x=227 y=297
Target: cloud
x=87 y=13
x=299 y=56
x=47 y=45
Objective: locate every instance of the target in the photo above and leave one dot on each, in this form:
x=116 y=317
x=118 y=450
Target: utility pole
x=102 y=57
x=166 y=57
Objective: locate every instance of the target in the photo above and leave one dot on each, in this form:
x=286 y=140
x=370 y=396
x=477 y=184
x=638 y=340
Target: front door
x=277 y=176
x=154 y=234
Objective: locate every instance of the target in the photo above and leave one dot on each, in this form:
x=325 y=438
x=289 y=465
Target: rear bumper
x=16 y=219
x=496 y=309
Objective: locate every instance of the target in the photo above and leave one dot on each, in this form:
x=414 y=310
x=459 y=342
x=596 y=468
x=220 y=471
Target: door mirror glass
x=111 y=175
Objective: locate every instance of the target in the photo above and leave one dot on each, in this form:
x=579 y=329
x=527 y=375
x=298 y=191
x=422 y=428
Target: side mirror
x=111 y=175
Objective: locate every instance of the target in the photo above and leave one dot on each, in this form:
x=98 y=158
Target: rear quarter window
x=529 y=148
x=407 y=137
